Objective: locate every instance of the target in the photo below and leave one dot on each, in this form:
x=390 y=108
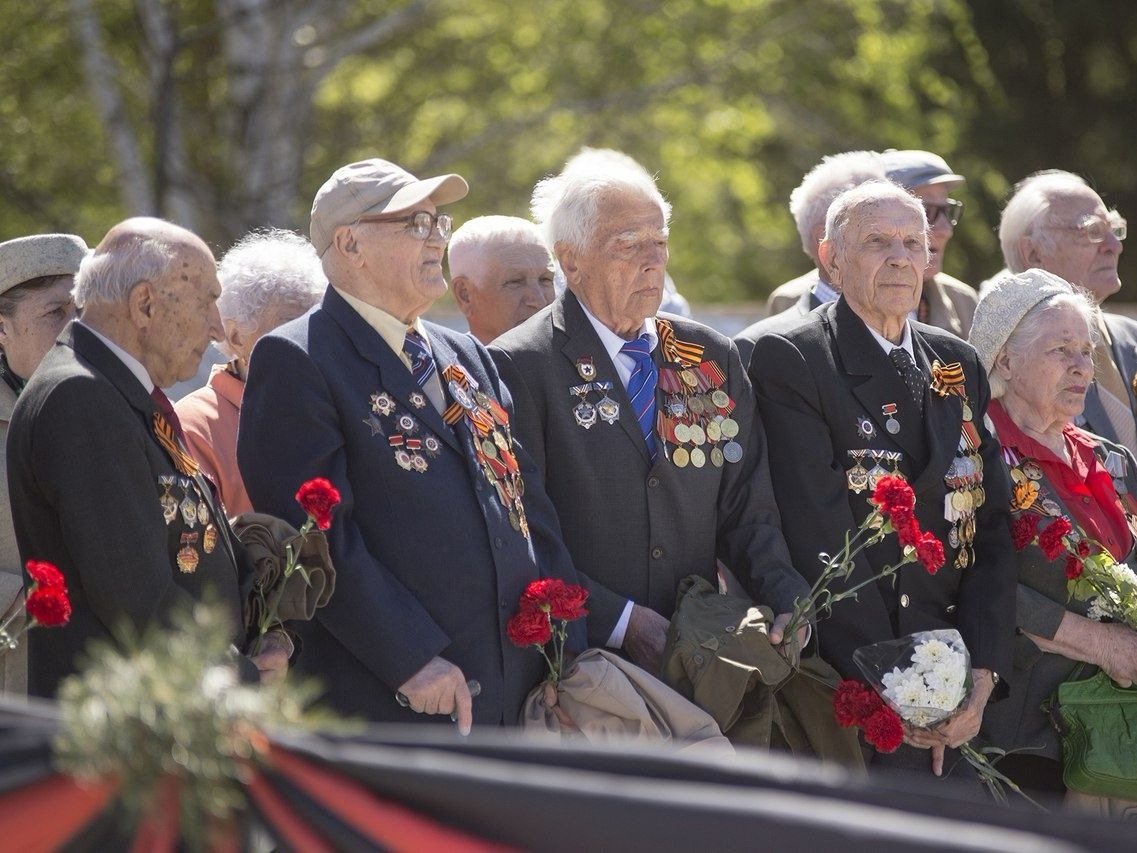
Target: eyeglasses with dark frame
x=950 y=208
x=422 y=223
x=1094 y=228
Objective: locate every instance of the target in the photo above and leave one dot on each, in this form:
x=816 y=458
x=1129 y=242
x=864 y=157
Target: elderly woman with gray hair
x=1035 y=334
x=267 y=278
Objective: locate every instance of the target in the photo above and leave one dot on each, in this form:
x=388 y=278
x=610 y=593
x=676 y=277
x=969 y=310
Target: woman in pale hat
x=36 y=275
x=1035 y=334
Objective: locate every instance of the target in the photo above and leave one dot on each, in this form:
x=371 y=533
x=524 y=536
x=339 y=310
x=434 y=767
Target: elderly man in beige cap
x=502 y=273
x=36 y=275
x=443 y=519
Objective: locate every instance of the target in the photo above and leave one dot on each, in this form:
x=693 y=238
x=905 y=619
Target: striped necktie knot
x=641 y=388
x=417 y=351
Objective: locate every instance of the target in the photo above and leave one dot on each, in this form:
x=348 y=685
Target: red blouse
x=1083 y=485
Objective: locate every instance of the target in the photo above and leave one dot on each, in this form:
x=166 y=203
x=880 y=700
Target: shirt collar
x=132 y=364
x=612 y=342
x=824 y=291
x=390 y=328
x=888 y=346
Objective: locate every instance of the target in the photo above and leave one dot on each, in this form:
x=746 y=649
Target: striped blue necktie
x=422 y=362
x=641 y=388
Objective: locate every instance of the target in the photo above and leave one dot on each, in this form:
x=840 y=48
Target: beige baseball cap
x=26 y=258
x=370 y=187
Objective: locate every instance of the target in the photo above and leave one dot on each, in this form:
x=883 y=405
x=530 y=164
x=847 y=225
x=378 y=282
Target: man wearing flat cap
x=36 y=275
x=443 y=520
x=105 y=487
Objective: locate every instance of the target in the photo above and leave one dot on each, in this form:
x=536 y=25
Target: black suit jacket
x=427 y=562
x=634 y=528
x=90 y=475
x=783 y=321
x=815 y=384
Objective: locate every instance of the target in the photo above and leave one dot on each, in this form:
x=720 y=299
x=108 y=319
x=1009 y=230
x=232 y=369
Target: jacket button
x=652 y=482
x=656 y=552
x=504 y=604
x=904 y=600
x=950 y=609
x=498 y=543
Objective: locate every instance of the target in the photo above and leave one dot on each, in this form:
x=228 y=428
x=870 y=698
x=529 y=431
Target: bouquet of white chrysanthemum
x=923 y=678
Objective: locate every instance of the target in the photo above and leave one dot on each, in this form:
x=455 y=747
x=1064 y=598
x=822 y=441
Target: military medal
x=418 y=399
x=585 y=368
x=202 y=513
x=891 y=424
x=865 y=428
x=382 y=404
x=607 y=408
x=680 y=457
x=188 y=505
x=187 y=557
x=857 y=477
x=713 y=432
x=431 y=445
x=732 y=451
x=585 y=413
x=461 y=396
x=209 y=539
x=729 y=427
x=716 y=457
x=168 y=501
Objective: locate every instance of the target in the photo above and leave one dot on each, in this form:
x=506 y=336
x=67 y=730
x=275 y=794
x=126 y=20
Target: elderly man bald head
x=501 y=272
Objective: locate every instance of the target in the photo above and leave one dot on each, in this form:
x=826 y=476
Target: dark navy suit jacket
x=427 y=562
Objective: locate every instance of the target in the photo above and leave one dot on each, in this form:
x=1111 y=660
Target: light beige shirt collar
x=390 y=328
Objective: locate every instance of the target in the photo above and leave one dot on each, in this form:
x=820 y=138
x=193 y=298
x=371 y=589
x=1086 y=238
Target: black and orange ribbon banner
x=675 y=350
x=169 y=441
x=948 y=379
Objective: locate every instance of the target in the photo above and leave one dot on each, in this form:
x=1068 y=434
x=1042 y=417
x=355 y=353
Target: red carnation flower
x=45 y=574
x=567 y=602
x=529 y=626
x=1084 y=548
x=930 y=552
x=849 y=702
x=48 y=605
x=893 y=493
x=1073 y=566
x=906 y=527
x=1050 y=539
x=539 y=592
x=1023 y=529
x=318 y=497
x=883 y=729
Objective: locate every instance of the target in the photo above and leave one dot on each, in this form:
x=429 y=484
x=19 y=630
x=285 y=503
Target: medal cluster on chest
x=181 y=501
x=586 y=412
x=694 y=421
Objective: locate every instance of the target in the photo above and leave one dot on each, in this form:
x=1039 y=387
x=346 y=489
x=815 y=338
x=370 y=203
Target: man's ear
x=566 y=257
x=1030 y=252
x=143 y=300
x=827 y=254
x=463 y=293
x=344 y=242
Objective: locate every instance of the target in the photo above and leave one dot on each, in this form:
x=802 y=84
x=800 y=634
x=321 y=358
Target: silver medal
x=585 y=414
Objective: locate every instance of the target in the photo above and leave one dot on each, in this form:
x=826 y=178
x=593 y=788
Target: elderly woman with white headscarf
x=1035 y=336
x=267 y=278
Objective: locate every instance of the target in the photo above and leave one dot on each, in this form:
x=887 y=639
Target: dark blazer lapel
x=943 y=419
x=879 y=384
x=394 y=376
x=582 y=340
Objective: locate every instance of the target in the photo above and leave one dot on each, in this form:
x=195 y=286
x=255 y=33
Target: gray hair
x=565 y=205
x=266 y=272
x=1028 y=209
x=864 y=195
x=108 y=275
x=464 y=254
x=835 y=174
x=1027 y=333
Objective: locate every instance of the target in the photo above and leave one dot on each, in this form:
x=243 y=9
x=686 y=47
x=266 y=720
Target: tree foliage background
x=225 y=115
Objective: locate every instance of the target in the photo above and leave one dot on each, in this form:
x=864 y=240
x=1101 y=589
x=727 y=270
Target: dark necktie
x=641 y=388
x=911 y=374
x=422 y=362
x=167 y=409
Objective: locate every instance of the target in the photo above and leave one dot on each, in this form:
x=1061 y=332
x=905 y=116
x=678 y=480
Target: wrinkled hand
x=272 y=658
x=1118 y=653
x=957 y=729
x=440 y=688
x=778 y=629
x=645 y=637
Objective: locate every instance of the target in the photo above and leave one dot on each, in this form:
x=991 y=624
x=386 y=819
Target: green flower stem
x=992 y=778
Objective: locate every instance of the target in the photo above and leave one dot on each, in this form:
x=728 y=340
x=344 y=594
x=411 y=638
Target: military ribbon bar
x=185 y=463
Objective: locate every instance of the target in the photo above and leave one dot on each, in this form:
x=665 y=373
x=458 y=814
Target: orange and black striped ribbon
x=948 y=379
x=169 y=441
x=454 y=411
x=675 y=350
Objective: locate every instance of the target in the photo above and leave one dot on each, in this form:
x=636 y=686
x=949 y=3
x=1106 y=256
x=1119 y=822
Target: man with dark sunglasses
x=946 y=302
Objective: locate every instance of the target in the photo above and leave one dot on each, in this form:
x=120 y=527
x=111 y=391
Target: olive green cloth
x=718 y=655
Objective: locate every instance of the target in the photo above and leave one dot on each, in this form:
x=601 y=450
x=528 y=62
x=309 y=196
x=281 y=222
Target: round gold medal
x=689 y=378
x=720 y=399
x=682 y=433
x=713 y=431
x=716 y=457
x=680 y=457
x=698 y=458
x=729 y=427
x=698 y=437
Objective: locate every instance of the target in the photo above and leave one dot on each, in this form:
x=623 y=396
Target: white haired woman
x=1035 y=336
x=267 y=278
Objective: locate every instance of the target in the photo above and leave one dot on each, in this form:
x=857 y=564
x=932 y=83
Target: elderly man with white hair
x=858 y=390
x=642 y=424
x=1056 y=222
x=267 y=278
x=808 y=203
x=501 y=273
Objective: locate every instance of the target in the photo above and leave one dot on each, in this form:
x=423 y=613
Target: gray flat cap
x=913 y=168
x=26 y=258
